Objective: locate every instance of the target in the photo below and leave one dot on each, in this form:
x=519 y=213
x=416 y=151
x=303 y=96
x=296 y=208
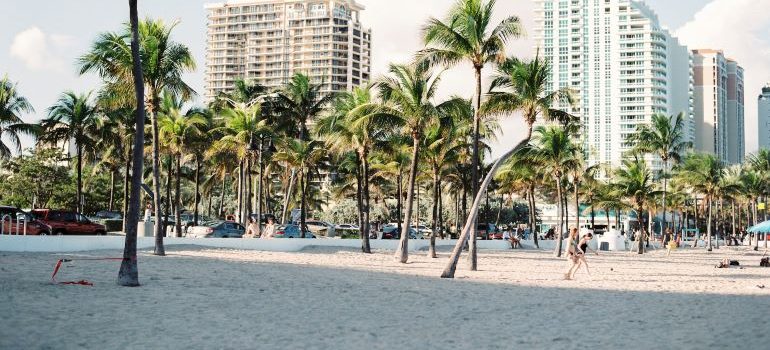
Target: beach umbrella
x=761 y=228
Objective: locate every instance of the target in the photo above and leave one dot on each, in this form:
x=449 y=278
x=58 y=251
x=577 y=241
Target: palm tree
x=633 y=182
x=73 y=119
x=298 y=103
x=517 y=86
x=176 y=130
x=409 y=91
x=303 y=156
x=359 y=123
x=129 y=273
x=11 y=124
x=465 y=36
x=163 y=63
x=664 y=137
x=555 y=152
x=704 y=173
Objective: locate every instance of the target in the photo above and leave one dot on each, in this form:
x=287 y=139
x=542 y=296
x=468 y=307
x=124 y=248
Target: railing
x=10 y=225
x=18 y=223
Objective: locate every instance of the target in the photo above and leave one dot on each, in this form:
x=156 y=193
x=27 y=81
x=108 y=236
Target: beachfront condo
x=622 y=66
x=763 y=121
x=268 y=41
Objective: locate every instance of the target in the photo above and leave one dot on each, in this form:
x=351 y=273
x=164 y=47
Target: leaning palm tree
x=74 y=118
x=704 y=173
x=665 y=138
x=466 y=36
x=11 y=125
x=129 y=273
x=633 y=182
x=176 y=129
x=163 y=64
x=409 y=91
x=516 y=87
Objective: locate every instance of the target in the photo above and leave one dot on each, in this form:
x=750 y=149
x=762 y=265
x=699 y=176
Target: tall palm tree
x=129 y=273
x=634 y=184
x=704 y=173
x=665 y=138
x=73 y=118
x=163 y=63
x=176 y=129
x=358 y=122
x=303 y=156
x=554 y=150
x=11 y=125
x=409 y=91
x=466 y=35
x=517 y=86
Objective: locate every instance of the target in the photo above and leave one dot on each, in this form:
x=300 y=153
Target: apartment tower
x=621 y=65
x=268 y=41
x=719 y=103
x=763 y=121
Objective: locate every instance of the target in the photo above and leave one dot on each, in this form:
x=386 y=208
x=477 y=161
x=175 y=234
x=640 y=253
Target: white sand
x=324 y=298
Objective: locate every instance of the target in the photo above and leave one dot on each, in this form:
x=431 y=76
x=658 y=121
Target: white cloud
x=740 y=29
x=38 y=50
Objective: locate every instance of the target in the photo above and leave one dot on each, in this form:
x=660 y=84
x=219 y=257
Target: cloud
x=38 y=50
x=740 y=28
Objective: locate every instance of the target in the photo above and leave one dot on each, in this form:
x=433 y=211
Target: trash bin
x=145 y=229
x=605 y=246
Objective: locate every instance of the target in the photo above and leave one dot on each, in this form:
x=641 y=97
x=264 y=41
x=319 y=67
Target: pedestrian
x=572 y=253
x=583 y=249
x=148 y=212
x=252 y=231
x=269 y=231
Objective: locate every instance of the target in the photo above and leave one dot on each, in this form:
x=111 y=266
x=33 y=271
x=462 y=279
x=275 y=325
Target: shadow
x=201 y=302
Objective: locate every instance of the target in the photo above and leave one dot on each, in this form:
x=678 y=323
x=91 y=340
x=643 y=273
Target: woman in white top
x=269 y=231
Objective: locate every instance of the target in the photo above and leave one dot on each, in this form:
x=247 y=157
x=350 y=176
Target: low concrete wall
x=63 y=244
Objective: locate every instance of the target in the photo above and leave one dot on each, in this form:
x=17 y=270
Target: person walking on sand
x=269 y=231
x=572 y=253
x=583 y=249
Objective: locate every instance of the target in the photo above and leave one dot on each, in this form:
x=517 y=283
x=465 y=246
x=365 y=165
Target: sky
x=40 y=41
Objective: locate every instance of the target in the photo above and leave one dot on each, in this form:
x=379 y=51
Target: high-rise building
x=267 y=41
x=763 y=121
x=622 y=66
x=719 y=101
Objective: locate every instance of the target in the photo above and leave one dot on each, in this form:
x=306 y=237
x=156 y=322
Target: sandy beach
x=328 y=298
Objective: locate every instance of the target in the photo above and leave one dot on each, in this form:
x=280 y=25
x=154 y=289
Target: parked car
x=320 y=228
x=483 y=231
x=13 y=217
x=188 y=219
x=347 y=227
x=64 y=222
x=390 y=231
x=424 y=230
x=217 y=229
x=109 y=215
x=291 y=231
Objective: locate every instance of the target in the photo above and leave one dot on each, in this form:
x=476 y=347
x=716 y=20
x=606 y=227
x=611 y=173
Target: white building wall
x=763 y=120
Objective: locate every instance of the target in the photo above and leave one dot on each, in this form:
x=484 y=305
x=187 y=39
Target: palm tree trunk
x=560 y=219
x=112 y=190
x=400 y=198
x=197 y=190
x=177 y=197
x=472 y=255
x=79 y=206
x=167 y=210
x=303 y=209
x=577 y=206
x=432 y=247
x=642 y=228
x=156 y=167
x=697 y=230
x=533 y=217
x=287 y=196
x=708 y=225
x=128 y=275
x=365 y=247
x=665 y=192
x=240 y=190
x=360 y=201
x=402 y=254
x=259 y=192
x=222 y=196
x=126 y=185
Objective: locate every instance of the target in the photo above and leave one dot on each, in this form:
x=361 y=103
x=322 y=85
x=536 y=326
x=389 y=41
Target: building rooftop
x=352 y=3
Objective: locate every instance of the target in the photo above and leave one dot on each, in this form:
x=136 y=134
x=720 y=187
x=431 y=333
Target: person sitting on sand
x=252 y=231
x=572 y=253
x=269 y=231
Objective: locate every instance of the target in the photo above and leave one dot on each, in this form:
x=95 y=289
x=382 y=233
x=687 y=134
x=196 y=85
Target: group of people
x=267 y=232
x=577 y=248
